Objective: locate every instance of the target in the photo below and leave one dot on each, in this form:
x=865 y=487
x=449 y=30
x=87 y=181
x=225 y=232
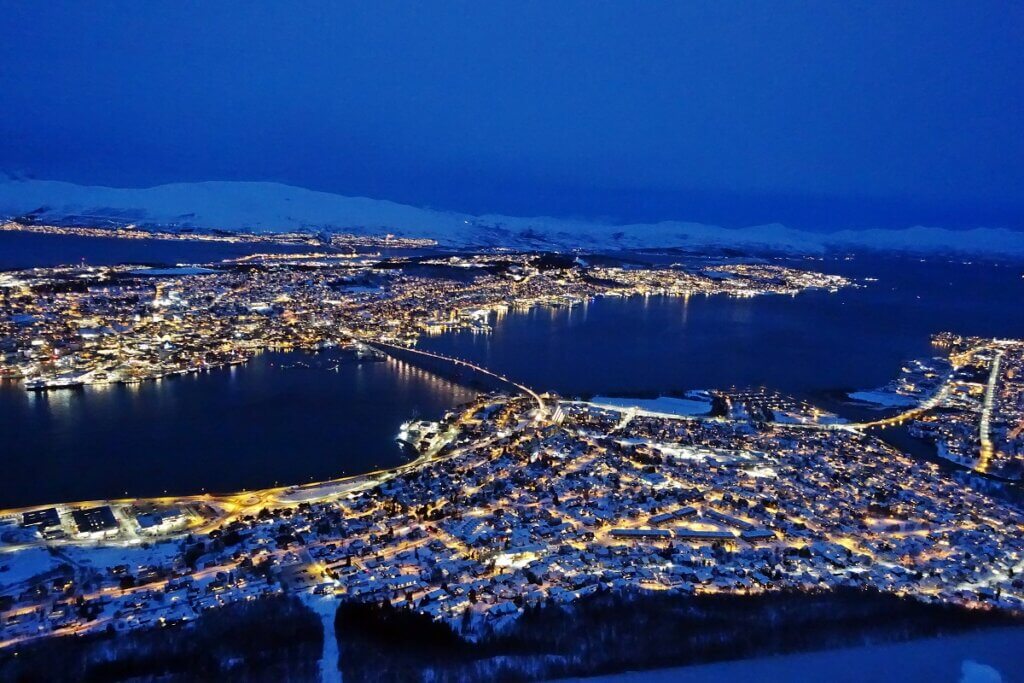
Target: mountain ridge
x=269 y=207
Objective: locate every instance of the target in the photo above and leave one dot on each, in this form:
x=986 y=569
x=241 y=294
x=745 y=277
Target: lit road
x=922 y=407
x=984 y=426
x=541 y=408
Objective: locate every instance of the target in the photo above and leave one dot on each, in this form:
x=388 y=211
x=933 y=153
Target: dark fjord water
x=811 y=345
x=283 y=417
x=274 y=420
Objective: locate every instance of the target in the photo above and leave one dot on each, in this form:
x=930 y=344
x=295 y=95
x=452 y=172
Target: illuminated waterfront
x=227 y=429
x=514 y=498
x=503 y=343
x=815 y=346
x=272 y=420
x=26 y=249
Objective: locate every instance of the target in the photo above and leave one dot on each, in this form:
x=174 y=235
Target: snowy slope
x=273 y=207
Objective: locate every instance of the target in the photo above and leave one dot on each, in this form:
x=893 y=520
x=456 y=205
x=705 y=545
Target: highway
x=984 y=426
x=922 y=407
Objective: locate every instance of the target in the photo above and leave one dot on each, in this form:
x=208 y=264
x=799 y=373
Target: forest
x=275 y=639
x=611 y=632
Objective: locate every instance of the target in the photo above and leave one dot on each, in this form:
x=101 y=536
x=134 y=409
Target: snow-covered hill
x=273 y=207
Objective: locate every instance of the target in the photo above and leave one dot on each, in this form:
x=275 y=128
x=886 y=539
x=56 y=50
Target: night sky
x=819 y=115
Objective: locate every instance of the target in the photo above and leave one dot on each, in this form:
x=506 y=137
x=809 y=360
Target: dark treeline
x=611 y=632
x=271 y=640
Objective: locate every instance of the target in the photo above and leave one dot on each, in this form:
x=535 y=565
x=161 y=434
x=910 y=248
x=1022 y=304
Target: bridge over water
x=442 y=364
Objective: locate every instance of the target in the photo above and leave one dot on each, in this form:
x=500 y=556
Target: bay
x=283 y=418
x=293 y=418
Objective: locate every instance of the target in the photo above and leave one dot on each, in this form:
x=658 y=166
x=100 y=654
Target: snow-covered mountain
x=273 y=207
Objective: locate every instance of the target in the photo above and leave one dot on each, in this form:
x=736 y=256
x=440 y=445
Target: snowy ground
x=787 y=417
x=985 y=657
x=326 y=607
x=665 y=405
x=132 y=555
x=887 y=399
x=272 y=207
x=22 y=565
x=181 y=270
x=672 y=450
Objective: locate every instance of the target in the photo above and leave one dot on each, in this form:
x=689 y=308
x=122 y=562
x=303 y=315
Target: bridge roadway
x=392 y=349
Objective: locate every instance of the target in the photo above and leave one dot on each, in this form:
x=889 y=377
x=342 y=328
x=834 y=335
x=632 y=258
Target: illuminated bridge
x=401 y=352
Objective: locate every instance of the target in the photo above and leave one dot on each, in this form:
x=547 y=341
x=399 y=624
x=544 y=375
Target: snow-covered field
x=664 y=405
x=792 y=418
x=19 y=563
x=273 y=207
x=22 y=565
x=672 y=450
x=887 y=399
x=98 y=556
x=984 y=657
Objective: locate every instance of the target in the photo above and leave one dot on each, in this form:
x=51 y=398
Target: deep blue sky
x=820 y=115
